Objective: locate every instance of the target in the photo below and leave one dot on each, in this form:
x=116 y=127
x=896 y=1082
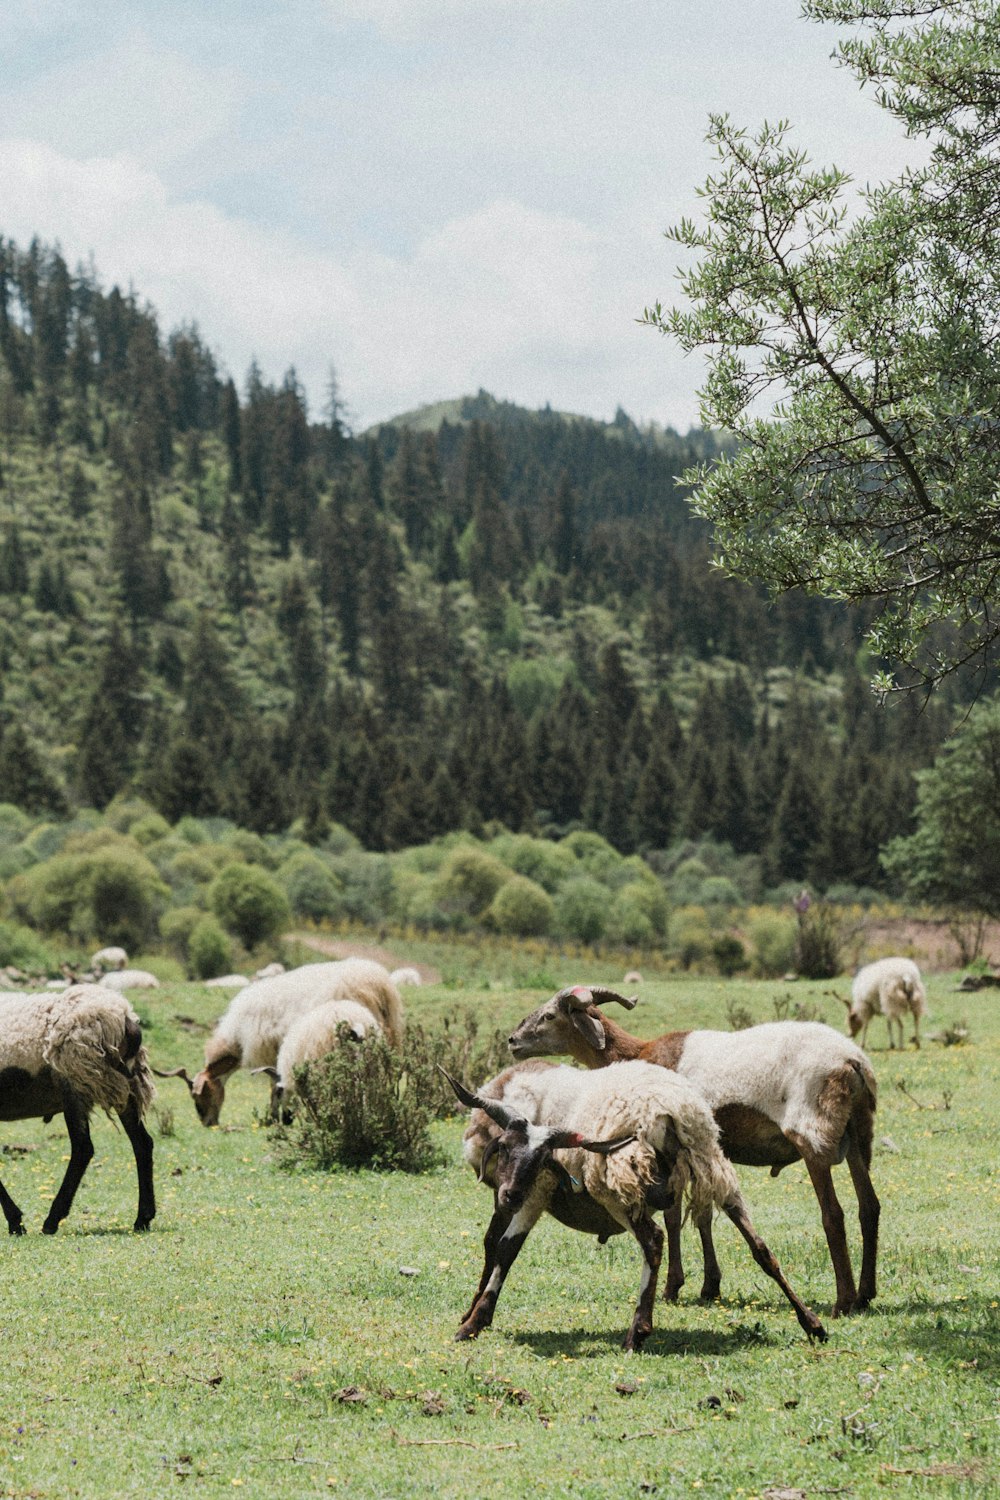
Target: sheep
x=631 y=1139
x=889 y=987
x=227 y=982
x=108 y=958
x=310 y=1037
x=67 y=1054
x=270 y=971
x=129 y=979
x=781 y=1092
x=250 y=1032
x=405 y=976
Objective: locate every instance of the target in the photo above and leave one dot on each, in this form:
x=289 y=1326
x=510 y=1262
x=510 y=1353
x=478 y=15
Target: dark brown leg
x=869 y=1211
x=762 y=1255
x=491 y=1240
x=836 y=1238
x=712 y=1283
x=650 y=1239
x=11 y=1212
x=142 y=1146
x=81 y=1150
x=506 y=1243
x=675 y=1263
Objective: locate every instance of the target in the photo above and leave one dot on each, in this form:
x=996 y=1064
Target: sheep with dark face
x=69 y=1054
x=311 y=1037
x=630 y=1140
x=781 y=1092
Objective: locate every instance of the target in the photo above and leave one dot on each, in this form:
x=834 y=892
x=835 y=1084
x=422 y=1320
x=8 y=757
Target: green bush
x=470 y=878
x=250 y=903
x=718 y=890
x=541 y=860
x=148 y=829
x=690 y=936
x=730 y=954
x=521 y=908
x=210 y=952
x=582 y=908
x=24 y=949
x=364 y=1105
x=312 y=890
x=110 y=892
x=818 y=942
x=773 y=937
x=176 y=927
x=628 y=921
x=593 y=854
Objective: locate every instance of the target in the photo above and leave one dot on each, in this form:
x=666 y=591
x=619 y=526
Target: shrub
x=817 y=945
x=730 y=954
x=690 y=936
x=649 y=898
x=521 y=908
x=250 y=903
x=540 y=860
x=363 y=1105
x=312 y=890
x=593 y=853
x=110 y=892
x=470 y=878
x=24 y=949
x=718 y=890
x=628 y=921
x=148 y=829
x=176 y=927
x=209 y=950
x=773 y=937
x=581 y=909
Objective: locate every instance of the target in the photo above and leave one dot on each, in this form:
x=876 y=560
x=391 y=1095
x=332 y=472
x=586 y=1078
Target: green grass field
x=266 y=1335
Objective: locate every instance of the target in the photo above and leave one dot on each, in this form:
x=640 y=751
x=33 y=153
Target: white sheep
x=69 y=1054
x=406 y=976
x=251 y=1031
x=781 y=1092
x=108 y=958
x=129 y=979
x=631 y=1139
x=227 y=982
x=312 y=1036
x=270 y=971
x=889 y=987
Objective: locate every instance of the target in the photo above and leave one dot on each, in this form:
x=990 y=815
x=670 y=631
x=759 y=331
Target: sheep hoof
x=50 y=1226
x=16 y=1228
x=710 y=1292
x=467 y=1331
x=141 y=1225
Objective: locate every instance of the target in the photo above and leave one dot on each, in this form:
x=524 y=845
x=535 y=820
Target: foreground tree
x=867 y=331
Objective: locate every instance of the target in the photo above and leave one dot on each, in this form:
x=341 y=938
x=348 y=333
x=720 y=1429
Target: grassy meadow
x=291 y=1334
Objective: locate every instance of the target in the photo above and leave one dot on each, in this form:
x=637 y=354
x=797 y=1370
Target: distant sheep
x=108 y=958
x=227 y=982
x=890 y=987
x=129 y=979
x=631 y=1139
x=312 y=1036
x=406 y=976
x=69 y=1054
x=252 y=1030
x=270 y=971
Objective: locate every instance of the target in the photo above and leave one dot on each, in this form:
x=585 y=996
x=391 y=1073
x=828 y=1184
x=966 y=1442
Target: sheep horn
x=597 y=994
x=271 y=1072
x=561 y=1140
x=497 y=1112
x=175 y=1073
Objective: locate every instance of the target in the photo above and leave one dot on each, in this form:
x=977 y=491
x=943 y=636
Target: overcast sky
x=432 y=195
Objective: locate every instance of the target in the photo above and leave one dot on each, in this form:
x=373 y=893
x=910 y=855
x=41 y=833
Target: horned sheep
x=69 y=1054
x=781 y=1092
x=630 y=1139
x=890 y=987
x=251 y=1031
x=313 y=1036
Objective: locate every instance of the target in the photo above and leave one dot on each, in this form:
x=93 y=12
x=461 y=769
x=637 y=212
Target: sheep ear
x=497 y=1112
x=176 y=1073
x=589 y=1028
x=492 y=1147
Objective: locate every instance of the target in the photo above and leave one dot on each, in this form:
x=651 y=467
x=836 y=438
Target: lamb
x=631 y=1139
x=781 y=1092
x=129 y=979
x=889 y=987
x=251 y=1031
x=310 y=1037
x=69 y=1054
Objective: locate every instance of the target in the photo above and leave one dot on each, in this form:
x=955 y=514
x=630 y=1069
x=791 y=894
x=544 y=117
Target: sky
x=428 y=196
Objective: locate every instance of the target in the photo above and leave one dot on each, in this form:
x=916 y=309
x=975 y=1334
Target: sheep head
x=206 y=1091
x=524 y=1151
x=562 y=1023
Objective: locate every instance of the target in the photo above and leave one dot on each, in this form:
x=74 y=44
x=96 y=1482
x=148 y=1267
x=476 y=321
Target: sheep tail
x=94 y=1042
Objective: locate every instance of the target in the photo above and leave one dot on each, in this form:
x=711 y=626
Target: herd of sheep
x=639 y=1128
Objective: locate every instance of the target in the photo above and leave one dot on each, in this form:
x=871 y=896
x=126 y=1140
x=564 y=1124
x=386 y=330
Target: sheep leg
x=505 y=1247
x=491 y=1240
x=142 y=1147
x=713 y=1272
x=869 y=1210
x=675 y=1263
x=916 y=1029
x=836 y=1238
x=765 y=1259
x=81 y=1150
x=650 y=1239
x=11 y=1212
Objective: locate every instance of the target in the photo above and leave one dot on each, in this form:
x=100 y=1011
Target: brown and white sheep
x=781 y=1092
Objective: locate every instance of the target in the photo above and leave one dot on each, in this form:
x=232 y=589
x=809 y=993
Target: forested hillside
x=477 y=614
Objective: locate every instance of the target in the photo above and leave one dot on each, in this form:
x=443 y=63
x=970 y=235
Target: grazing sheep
x=69 y=1054
x=632 y=977
x=781 y=1092
x=227 y=982
x=632 y=1139
x=258 y=1019
x=270 y=971
x=129 y=979
x=108 y=958
x=889 y=987
x=310 y=1037
x=406 y=976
